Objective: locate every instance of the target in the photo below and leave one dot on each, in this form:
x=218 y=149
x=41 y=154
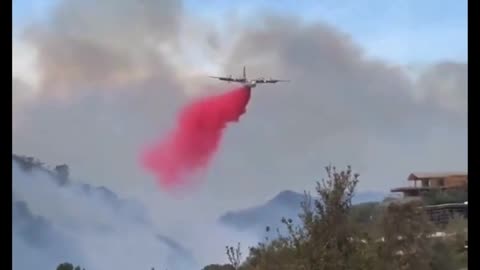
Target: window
x=441 y=182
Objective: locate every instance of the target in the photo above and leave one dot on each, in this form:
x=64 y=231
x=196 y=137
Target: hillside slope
x=285 y=204
x=56 y=220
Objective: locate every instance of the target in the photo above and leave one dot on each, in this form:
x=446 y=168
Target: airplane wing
x=228 y=79
x=275 y=81
x=270 y=81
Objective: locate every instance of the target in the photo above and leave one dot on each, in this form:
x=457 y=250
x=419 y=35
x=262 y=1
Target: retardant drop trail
x=191 y=145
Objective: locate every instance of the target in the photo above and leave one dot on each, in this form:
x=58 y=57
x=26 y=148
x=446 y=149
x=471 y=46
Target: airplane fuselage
x=250 y=84
x=245 y=82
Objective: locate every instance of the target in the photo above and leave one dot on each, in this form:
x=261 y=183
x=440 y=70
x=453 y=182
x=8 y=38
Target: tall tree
x=326 y=239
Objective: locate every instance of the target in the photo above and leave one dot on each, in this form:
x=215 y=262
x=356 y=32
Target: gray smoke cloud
x=88 y=225
x=351 y=106
x=110 y=82
x=446 y=84
x=340 y=107
x=100 y=45
x=36 y=242
x=71 y=219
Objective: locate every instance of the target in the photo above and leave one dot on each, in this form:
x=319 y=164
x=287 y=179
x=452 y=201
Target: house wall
x=437 y=182
x=454 y=181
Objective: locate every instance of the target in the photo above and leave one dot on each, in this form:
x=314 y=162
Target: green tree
x=62 y=172
x=326 y=238
x=434 y=197
x=406 y=241
x=332 y=241
x=452 y=248
x=365 y=215
x=234 y=256
x=65 y=266
x=457 y=228
x=446 y=256
x=334 y=235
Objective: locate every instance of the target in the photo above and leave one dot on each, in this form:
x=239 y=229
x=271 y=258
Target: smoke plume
x=124 y=67
x=56 y=221
x=194 y=141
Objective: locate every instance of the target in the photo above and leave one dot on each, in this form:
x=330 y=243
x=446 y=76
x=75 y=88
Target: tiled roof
x=424 y=175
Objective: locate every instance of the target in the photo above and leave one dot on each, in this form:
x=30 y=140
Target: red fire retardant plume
x=192 y=144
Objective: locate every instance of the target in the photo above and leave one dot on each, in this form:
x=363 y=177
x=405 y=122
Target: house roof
x=425 y=175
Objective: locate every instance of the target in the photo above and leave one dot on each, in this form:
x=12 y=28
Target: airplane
x=248 y=83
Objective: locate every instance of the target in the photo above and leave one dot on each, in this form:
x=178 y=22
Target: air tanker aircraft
x=245 y=81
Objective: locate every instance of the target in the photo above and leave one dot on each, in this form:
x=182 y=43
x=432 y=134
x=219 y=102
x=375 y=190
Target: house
x=423 y=182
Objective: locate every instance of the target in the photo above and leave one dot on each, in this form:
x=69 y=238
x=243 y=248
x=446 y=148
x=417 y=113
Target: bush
x=447 y=196
x=333 y=235
x=67 y=266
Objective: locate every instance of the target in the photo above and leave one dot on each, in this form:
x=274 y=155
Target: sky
x=387 y=29
x=380 y=85
x=400 y=31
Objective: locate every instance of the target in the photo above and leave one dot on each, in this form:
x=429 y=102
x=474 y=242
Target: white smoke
x=93 y=228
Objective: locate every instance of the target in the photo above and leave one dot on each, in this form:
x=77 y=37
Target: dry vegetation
x=334 y=235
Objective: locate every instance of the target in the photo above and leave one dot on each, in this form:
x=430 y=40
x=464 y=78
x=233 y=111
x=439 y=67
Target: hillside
x=57 y=220
x=285 y=204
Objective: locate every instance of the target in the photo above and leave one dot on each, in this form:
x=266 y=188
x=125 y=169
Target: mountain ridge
x=36 y=232
x=286 y=204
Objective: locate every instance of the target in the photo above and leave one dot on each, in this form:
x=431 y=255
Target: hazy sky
x=380 y=85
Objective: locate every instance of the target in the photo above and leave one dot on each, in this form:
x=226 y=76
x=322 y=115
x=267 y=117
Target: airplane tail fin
x=244 y=73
